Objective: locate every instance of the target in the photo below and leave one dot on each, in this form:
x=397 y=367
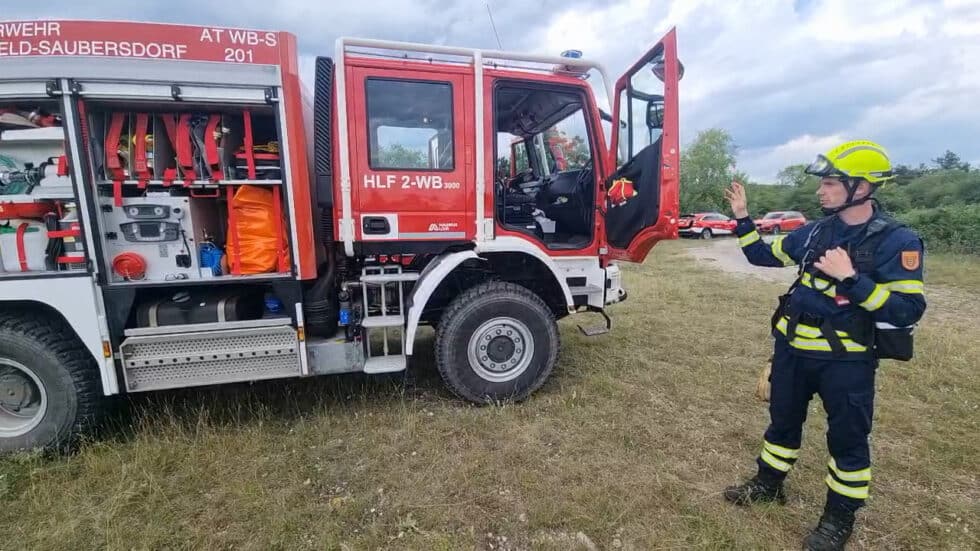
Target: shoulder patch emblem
x=911 y=260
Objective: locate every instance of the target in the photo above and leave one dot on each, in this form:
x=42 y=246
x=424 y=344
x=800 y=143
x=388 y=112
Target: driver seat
x=564 y=201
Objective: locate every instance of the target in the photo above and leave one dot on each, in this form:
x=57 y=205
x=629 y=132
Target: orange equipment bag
x=254 y=226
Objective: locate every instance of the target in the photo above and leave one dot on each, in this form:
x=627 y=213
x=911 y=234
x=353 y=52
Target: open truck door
x=642 y=195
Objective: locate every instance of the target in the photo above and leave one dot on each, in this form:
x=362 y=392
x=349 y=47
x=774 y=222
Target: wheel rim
x=23 y=400
x=706 y=234
x=501 y=349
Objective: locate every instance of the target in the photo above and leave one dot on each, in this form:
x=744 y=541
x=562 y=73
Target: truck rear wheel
x=496 y=342
x=49 y=385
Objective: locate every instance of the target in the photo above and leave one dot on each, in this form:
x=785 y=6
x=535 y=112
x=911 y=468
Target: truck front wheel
x=49 y=385
x=496 y=342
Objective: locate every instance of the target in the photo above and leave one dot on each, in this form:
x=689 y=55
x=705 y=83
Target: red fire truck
x=177 y=210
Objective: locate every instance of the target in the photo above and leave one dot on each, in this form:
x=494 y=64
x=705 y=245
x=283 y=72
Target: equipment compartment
x=253 y=152
x=202 y=145
x=40 y=232
x=188 y=192
x=159 y=237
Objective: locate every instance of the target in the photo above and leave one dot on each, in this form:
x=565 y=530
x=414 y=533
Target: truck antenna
x=493 y=26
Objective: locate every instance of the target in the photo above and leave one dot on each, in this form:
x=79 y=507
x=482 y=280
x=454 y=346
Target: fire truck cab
x=177 y=209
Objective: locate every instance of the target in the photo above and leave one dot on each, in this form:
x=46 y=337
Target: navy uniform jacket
x=892 y=292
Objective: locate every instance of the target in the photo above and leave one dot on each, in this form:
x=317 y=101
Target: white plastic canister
x=35 y=238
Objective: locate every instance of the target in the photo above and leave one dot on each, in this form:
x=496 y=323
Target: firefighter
x=856 y=299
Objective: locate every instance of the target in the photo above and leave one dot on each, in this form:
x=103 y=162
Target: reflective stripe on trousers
x=847 y=392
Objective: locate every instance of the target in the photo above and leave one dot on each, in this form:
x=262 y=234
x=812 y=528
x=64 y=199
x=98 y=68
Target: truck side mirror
x=658 y=68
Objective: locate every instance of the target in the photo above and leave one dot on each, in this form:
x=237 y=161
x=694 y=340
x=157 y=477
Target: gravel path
x=724 y=254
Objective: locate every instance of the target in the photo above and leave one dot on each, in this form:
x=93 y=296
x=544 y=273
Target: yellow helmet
x=858 y=160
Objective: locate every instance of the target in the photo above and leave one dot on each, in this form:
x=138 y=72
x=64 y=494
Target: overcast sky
x=788 y=78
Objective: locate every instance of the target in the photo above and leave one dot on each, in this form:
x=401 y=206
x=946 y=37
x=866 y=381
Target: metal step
x=389 y=278
x=372 y=322
x=584 y=290
x=597 y=330
x=593 y=331
x=385 y=364
x=178 y=360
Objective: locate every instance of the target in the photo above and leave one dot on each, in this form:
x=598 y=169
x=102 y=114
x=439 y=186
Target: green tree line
x=939 y=199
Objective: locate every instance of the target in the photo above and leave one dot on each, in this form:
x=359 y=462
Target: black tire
x=67 y=374
x=776 y=230
x=522 y=311
x=706 y=234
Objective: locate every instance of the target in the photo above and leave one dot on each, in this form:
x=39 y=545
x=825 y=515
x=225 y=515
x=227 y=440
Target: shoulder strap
x=863 y=251
x=811 y=245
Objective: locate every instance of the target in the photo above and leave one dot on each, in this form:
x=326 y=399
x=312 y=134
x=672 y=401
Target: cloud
x=799 y=150
x=783 y=76
x=780 y=79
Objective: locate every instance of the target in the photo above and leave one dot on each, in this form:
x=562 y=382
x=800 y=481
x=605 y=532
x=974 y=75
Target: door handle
x=376 y=225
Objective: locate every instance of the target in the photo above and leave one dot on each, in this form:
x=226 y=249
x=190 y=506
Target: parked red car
x=780 y=221
x=705 y=225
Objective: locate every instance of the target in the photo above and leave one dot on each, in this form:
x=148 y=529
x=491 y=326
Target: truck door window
x=545 y=181
x=410 y=124
x=642 y=101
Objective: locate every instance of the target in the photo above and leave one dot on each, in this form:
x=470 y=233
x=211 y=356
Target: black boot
x=756 y=490
x=832 y=532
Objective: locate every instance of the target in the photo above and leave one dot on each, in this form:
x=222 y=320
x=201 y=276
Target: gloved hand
x=762 y=386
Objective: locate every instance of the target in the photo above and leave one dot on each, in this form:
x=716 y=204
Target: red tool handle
x=114 y=168
x=169 y=175
x=140 y=164
x=170 y=125
x=70 y=259
x=249 y=144
x=117 y=198
x=21 y=250
x=60 y=234
x=63 y=165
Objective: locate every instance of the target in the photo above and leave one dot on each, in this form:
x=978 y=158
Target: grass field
x=960 y=271
x=627 y=447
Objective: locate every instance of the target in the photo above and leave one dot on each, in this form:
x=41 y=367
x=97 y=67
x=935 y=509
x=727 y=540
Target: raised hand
x=736 y=198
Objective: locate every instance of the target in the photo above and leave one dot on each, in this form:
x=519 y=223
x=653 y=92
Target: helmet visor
x=823 y=168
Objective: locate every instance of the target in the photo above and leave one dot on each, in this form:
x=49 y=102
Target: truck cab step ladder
x=383 y=304
x=375 y=322
x=385 y=364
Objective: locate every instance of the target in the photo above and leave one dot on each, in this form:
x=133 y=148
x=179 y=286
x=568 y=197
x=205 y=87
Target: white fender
x=507 y=244
x=437 y=270
x=74 y=298
x=428 y=281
